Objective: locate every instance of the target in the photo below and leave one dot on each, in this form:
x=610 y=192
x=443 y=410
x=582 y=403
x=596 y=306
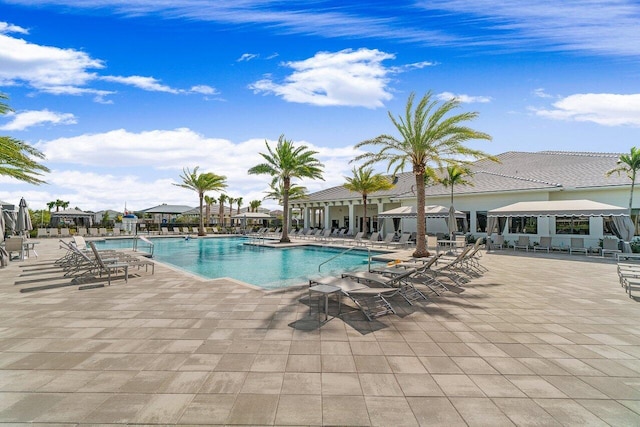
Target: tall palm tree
x=239 y=203
x=208 y=200
x=284 y=163
x=365 y=182
x=455 y=176
x=17 y=158
x=50 y=205
x=221 y=199
x=201 y=183
x=231 y=201
x=254 y=205
x=429 y=137
x=629 y=164
x=64 y=205
x=296 y=192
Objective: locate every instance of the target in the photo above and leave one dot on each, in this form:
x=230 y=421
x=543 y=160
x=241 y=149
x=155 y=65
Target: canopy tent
x=623 y=227
x=75 y=216
x=431 y=211
x=558 y=208
x=244 y=216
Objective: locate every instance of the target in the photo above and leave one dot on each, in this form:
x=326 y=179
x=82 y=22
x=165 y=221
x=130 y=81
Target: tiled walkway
x=535 y=341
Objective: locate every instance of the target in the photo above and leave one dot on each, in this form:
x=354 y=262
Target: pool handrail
x=344 y=252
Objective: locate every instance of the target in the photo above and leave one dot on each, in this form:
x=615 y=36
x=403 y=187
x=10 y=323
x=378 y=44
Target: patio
x=538 y=340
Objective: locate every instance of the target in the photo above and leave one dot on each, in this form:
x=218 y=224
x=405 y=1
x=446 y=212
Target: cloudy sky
x=121 y=96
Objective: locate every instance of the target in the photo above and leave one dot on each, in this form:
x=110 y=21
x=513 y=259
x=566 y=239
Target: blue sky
x=121 y=96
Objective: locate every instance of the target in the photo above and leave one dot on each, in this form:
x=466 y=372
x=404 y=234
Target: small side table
x=326 y=290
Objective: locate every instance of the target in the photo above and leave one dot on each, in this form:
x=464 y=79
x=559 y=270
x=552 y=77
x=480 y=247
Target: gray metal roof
x=516 y=171
x=167 y=209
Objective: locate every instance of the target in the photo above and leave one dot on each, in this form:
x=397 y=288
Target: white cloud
x=204 y=89
x=465 y=99
x=26 y=119
x=150 y=84
x=347 y=78
x=44 y=67
x=540 y=93
x=245 y=57
x=156 y=158
x=65 y=71
x=606 y=26
x=5 y=27
x=602 y=108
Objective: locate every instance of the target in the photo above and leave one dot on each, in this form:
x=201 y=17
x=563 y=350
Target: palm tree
x=429 y=136
x=64 y=205
x=221 y=199
x=296 y=192
x=208 y=200
x=630 y=164
x=455 y=176
x=17 y=157
x=365 y=182
x=239 y=203
x=50 y=205
x=254 y=205
x=284 y=163
x=201 y=183
x=231 y=201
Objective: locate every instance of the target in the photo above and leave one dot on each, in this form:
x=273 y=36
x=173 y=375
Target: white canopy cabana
x=559 y=208
x=623 y=227
x=431 y=211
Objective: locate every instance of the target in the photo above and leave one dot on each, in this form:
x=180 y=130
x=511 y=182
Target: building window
x=572 y=225
x=481 y=221
x=523 y=225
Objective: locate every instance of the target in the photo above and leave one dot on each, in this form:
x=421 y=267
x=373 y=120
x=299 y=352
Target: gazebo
x=75 y=216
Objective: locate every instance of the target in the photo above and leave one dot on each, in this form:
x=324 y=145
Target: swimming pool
x=263 y=266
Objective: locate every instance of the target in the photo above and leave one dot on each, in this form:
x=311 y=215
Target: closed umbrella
x=23 y=222
x=451 y=222
x=4 y=255
x=1 y=224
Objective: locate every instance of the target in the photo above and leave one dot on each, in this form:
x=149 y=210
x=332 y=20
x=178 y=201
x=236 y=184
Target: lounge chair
x=42 y=232
x=53 y=232
x=64 y=232
x=371 y=301
x=522 y=243
x=402 y=242
x=497 y=241
x=399 y=281
x=82 y=231
x=357 y=240
x=423 y=275
x=373 y=239
x=93 y=232
x=544 y=245
x=610 y=246
x=388 y=239
x=164 y=230
x=577 y=245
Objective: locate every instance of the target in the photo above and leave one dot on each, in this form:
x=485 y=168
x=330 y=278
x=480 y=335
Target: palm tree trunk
x=633 y=183
x=364 y=217
x=285 y=215
x=421 y=241
x=201 y=227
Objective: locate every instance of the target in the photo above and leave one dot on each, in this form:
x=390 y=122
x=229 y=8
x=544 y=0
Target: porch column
x=305 y=214
x=327 y=217
x=381 y=224
x=352 y=220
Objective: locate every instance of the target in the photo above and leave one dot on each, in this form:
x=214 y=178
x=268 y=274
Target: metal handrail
x=344 y=252
x=145 y=240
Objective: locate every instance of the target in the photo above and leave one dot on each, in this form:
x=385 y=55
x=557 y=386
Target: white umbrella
x=23 y=222
x=1 y=224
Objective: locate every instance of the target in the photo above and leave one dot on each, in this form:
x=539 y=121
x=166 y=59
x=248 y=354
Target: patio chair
x=13 y=245
x=82 y=231
x=522 y=243
x=371 y=301
x=497 y=241
x=93 y=232
x=42 y=232
x=373 y=239
x=610 y=246
x=102 y=231
x=357 y=240
x=164 y=230
x=64 y=232
x=544 y=245
x=423 y=275
x=577 y=245
x=399 y=281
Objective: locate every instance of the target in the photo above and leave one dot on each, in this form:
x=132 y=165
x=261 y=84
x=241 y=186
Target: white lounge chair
x=577 y=245
x=610 y=246
x=544 y=245
x=522 y=243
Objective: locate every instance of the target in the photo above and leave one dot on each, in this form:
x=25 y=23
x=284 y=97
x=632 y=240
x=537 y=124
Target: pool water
x=266 y=267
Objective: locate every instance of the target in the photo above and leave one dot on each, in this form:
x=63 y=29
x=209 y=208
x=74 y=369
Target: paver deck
x=537 y=340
